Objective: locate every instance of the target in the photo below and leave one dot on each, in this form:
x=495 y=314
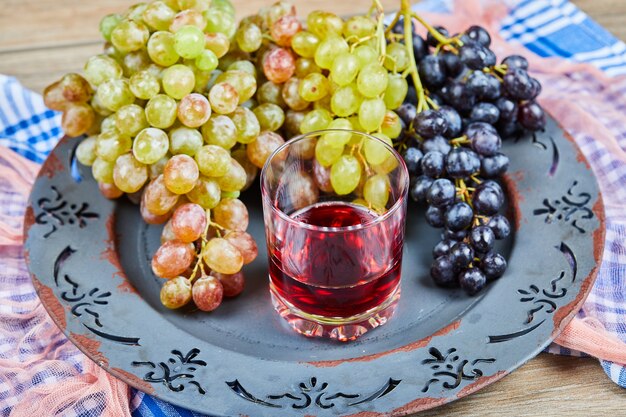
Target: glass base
x=339 y=328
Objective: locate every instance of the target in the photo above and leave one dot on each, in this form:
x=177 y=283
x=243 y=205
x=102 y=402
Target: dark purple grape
x=432 y=72
x=461 y=254
x=485 y=112
x=476 y=56
x=459 y=216
x=515 y=61
x=484 y=86
x=457 y=95
x=437 y=143
x=399 y=26
x=455 y=124
x=482 y=239
x=412 y=157
x=494 y=166
x=461 y=162
x=517 y=84
x=508 y=109
x=493 y=265
x=411 y=95
x=452 y=64
x=441 y=193
x=435 y=216
x=479 y=35
x=500 y=226
x=472 y=281
x=429 y=123
x=531 y=116
x=484 y=138
x=432 y=164
x=436 y=98
x=430 y=39
x=457 y=235
x=443 y=272
x=508 y=129
x=487 y=200
x=490 y=57
x=419 y=188
x=407 y=112
x=420 y=49
x=536 y=88
x=493 y=185
x=443 y=247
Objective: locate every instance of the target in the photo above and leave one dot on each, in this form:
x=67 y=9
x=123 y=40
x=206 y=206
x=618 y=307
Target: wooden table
x=42 y=39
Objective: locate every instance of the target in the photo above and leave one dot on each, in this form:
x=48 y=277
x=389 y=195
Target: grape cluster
x=454 y=116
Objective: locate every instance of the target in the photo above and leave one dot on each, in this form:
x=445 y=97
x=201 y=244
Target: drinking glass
x=334 y=205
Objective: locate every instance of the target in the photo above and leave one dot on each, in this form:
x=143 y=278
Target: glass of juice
x=334 y=204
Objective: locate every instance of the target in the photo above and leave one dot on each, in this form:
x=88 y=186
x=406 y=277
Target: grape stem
x=405 y=10
x=442 y=40
x=199 y=255
x=461 y=140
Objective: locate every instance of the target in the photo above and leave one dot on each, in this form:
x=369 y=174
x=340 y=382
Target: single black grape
x=479 y=35
x=484 y=86
x=407 y=112
x=476 y=56
x=494 y=166
x=443 y=247
x=443 y=272
x=432 y=71
x=493 y=265
x=532 y=116
x=508 y=129
x=411 y=95
x=430 y=123
x=485 y=112
x=436 y=98
x=482 y=239
x=412 y=157
x=399 y=26
x=536 y=88
x=484 y=138
x=435 y=216
x=430 y=39
x=487 y=201
x=493 y=185
x=457 y=235
x=441 y=193
x=419 y=188
x=508 y=109
x=457 y=95
x=462 y=162
x=452 y=64
x=459 y=216
x=454 y=122
x=437 y=143
x=515 y=61
x=500 y=226
x=420 y=49
x=517 y=84
x=472 y=281
x=461 y=254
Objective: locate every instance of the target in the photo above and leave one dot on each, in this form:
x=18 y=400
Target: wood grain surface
x=42 y=39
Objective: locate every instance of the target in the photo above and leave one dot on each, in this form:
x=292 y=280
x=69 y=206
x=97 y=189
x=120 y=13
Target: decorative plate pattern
x=89 y=260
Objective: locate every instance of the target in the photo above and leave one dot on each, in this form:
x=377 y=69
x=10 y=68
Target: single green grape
x=243 y=65
x=371 y=114
x=161 y=49
x=194 y=110
x=243 y=81
x=314 y=87
x=108 y=124
x=345 y=68
x=375 y=152
x=161 y=111
x=270 y=92
x=184 y=140
x=102 y=171
x=150 y=145
x=135 y=61
x=270 y=116
x=234 y=179
x=218 y=43
x=188 y=17
x=115 y=93
x=111 y=144
x=206 y=193
x=328 y=50
x=129 y=35
x=345 y=101
x=366 y=55
x=221 y=131
x=324 y=24
x=372 y=80
x=144 y=85
x=207 y=60
x=223 y=98
x=392 y=126
x=396 y=91
x=199 y=5
x=317 y=119
x=101 y=68
x=220 y=21
x=247 y=124
x=345 y=174
x=135 y=11
x=130 y=119
x=341 y=138
x=178 y=81
x=86 y=151
x=212 y=160
x=158 y=15
x=358 y=27
x=189 y=42
x=108 y=23
x=249 y=37
x=397 y=57
x=129 y=175
x=327 y=154
x=306 y=66
x=376 y=191
x=305 y=44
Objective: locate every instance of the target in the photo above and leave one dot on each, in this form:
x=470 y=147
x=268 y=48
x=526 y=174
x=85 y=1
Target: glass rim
x=379 y=219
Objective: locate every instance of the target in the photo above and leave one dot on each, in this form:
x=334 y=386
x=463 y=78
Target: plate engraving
x=449 y=370
x=58 y=212
x=176 y=372
x=571 y=208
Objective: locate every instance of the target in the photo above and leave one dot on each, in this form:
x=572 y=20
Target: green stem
x=405 y=9
x=435 y=33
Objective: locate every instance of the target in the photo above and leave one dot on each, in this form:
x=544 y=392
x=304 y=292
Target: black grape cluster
x=452 y=148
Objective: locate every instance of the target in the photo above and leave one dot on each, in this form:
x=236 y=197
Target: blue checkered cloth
x=545 y=27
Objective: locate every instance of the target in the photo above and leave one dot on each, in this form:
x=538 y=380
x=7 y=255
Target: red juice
x=331 y=272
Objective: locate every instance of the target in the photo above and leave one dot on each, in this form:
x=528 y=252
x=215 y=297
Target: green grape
x=388 y=165
x=108 y=124
x=372 y=80
x=345 y=174
x=206 y=193
x=150 y=145
x=345 y=101
x=129 y=35
x=306 y=66
x=77 y=119
x=108 y=23
x=129 y=175
x=291 y=95
x=328 y=50
x=178 y=81
x=269 y=92
x=272 y=14
x=371 y=114
x=202 y=78
x=358 y=27
x=102 y=171
x=345 y=69
x=339 y=139
x=245 y=66
x=188 y=18
x=194 y=110
x=207 y=60
x=270 y=116
x=135 y=11
x=199 y=5
x=375 y=151
x=161 y=49
x=144 y=85
x=161 y=111
x=130 y=119
x=366 y=55
x=219 y=21
x=392 y=126
x=135 y=61
x=184 y=140
x=397 y=57
x=224 y=5
x=240 y=155
x=101 y=68
x=176 y=293
x=305 y=43
x=247 y=124
x=230 y=194
x=180 y=174
x=243 y=81
x=98 y=107
x=324 y=24
x=376 y=191
x=293 y=120
x=222 y=257
x=213 y=161
x=158 y=15
x=223 y=98
x=220 y=131
x=313 y=87
x=249 y=37
x=218 y=43
x=86 y=151
x=234 y=179
x=396 y=91
x=261 y=149
x=114 y=93
x=189 y=42
x=157 y=168
x=157 y=198
x=318 y=119
x=110 y=145
x=327 y=154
